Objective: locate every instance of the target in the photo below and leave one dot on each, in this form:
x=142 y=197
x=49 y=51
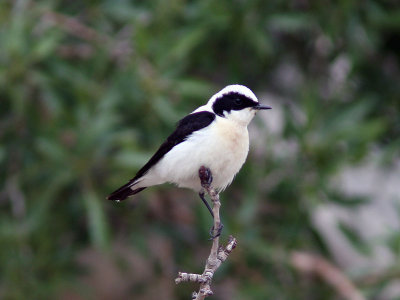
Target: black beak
x=259 y=107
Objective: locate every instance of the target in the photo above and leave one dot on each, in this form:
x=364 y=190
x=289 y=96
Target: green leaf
x=97 y=223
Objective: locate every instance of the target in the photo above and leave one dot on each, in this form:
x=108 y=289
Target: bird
x=214 y=135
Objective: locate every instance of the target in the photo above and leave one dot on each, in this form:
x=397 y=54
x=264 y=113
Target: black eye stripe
x=232 y=101
x=238 y=101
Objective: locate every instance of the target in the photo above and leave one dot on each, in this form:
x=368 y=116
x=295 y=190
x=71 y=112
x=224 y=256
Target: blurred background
x=90 y=89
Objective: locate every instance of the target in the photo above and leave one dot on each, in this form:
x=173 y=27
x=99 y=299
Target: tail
x=125 y=191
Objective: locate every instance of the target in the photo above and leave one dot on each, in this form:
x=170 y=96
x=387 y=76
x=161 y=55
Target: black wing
x=186 y=127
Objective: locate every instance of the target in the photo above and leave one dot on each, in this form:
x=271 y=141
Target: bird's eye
x=237 y=101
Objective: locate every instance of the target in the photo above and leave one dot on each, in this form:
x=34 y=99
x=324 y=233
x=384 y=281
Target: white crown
x=235 y=88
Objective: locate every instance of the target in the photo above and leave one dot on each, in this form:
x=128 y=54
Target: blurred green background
x=89 y=90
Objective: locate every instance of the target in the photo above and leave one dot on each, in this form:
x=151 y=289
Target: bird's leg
x=206 y=179
x=201 y=194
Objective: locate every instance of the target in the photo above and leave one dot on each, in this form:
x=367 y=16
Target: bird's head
x=237 y=103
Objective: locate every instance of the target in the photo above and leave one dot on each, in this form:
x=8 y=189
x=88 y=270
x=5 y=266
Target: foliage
x=88 y=91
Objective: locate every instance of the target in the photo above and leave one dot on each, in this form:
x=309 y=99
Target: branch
x=308 y=263
x=74 y=27
x=217 y=254
x=118 y=46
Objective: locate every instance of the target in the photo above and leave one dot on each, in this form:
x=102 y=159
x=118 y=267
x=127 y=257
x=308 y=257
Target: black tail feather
x=124 y=192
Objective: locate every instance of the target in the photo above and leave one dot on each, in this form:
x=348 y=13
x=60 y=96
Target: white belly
x=222 y=147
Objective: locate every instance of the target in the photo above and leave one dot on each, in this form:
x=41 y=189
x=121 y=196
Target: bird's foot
x=205 y=176
x=216 y=233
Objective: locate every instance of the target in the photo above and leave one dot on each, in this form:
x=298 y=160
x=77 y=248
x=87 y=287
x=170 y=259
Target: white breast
x=222 y=147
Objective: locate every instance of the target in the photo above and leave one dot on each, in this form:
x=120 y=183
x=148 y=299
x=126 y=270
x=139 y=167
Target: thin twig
x=119 y=46
x=74 y=27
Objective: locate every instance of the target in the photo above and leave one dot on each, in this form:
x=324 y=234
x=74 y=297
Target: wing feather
x=185 y=128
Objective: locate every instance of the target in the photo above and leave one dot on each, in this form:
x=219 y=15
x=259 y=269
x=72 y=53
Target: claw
x=218 y=233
